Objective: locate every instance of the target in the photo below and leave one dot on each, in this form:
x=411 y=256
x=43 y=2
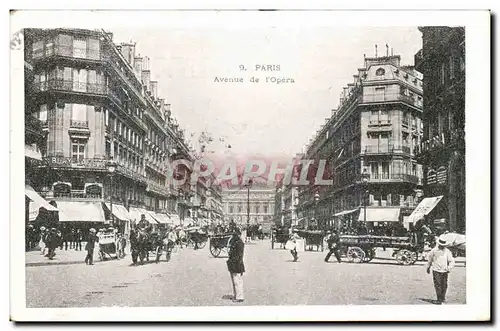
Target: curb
x=45 y=263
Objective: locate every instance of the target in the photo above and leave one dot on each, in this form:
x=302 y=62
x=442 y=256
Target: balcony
x=386 y=149
x=75 y=195
x=392 y=97
x=74 y=124
x=386 y=177
x=68 y=162
x=157 y=188
x=71 y=86
x=451 y=139
x=68 y=52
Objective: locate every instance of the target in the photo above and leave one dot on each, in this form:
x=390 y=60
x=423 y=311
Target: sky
x=260 y=118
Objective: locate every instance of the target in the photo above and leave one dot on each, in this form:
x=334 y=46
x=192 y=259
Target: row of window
x=241 y=209
x=67 y=45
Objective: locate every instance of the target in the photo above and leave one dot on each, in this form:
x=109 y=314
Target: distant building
x=376 y=128
x=261 y=204
x=442 y=151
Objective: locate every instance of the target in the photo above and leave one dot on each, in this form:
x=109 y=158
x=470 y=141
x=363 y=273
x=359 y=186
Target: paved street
x=195 y=278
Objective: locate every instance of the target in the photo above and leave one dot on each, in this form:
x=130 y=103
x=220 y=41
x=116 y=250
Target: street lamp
x=316 y=200
x=249 y=185
x=111 y=170
x=365 y=177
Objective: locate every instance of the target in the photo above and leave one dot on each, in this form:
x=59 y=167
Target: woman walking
x=292 y=245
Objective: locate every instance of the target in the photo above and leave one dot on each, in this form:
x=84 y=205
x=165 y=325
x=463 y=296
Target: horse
x=139 y=245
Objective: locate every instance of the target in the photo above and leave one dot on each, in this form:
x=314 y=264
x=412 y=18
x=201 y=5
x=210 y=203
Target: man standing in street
x=440 y=262
x=235 y=264
x=89 y=259
x=333 y=241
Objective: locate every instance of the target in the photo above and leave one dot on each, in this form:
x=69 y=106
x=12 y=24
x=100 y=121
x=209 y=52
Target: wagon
x=361 y=248
x=279 y=236
x=313 y=238
x=107 y=246
x=218 y=243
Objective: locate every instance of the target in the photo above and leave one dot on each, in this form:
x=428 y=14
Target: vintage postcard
x=250 y=165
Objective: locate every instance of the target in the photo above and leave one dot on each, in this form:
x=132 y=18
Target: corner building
x=96 y=102
x=376 y=127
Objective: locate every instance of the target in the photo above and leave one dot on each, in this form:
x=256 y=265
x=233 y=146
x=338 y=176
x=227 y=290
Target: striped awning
x=119 y=211
x=37 y=201
x=135 y=214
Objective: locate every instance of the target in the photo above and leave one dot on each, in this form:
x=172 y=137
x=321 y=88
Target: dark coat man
x=89 y=259
x=333 y=241
x=235 y=264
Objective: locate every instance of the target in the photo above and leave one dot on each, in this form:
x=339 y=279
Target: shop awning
x=32 y=152
x=175 y=219
x=379 y=214
x=79 y=211
x=424 y=208
x=119 y=211
x=346 y=212
x=37 y=201
x=164 y=218
x=155 y=216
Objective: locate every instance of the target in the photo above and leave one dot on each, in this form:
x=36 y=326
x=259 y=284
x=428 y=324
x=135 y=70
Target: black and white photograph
x=246 y=165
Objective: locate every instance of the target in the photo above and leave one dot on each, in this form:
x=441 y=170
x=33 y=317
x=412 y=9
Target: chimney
x=161 y=103
x=154 y=88
x=138 y=66
x=345 y=93
x=334 y=112
x=356 y=79
x=168 y=112
x=146 y=79
x=350 y=87
x=145 y=63
x=128 y=52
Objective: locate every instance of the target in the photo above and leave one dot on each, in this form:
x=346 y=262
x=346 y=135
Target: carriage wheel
x=369 y=255
x=215 y=251
x=202 y=244
x=355 y=254
x=406 y=257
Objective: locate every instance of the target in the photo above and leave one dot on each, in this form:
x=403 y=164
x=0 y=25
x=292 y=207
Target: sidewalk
x=34 y=258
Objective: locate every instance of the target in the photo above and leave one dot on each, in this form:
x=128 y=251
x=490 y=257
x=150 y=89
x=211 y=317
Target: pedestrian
x=89 y=259
x=440 y=262
x=42 y=244
x=72 y=235
x=292 y=245
x=78 y=240
x=333 y=241
x=53 y=240
x=235 y=264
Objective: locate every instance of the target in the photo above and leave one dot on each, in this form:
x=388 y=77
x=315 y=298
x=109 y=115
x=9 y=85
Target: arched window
x=380 y=72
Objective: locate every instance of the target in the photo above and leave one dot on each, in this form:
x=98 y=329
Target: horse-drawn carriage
x=280 y=236
x=219 y=243
x=143 y=243
x=313 y=238
x=197 y=237
x=361 y=248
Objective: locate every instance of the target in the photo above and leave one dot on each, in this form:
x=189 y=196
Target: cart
x=107 y=246
x=361 y=248
x=218 y=243
x=279 y=236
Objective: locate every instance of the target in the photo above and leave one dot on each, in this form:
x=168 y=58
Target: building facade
x=261 y=204
x=442 y=151
x=375 y=129
x=96 y=102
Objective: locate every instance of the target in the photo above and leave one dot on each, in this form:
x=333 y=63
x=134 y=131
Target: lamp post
x=249 y=185
x=316 y=200
x=111 y=171
x=365 y=177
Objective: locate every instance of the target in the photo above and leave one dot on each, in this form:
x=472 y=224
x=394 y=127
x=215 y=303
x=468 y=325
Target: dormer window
x=380 y=72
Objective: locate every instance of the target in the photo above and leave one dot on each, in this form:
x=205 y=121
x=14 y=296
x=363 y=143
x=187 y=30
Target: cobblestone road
x=195 y=278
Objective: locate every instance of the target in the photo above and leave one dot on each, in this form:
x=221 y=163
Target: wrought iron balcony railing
x=391 y=97
x=67 y=51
